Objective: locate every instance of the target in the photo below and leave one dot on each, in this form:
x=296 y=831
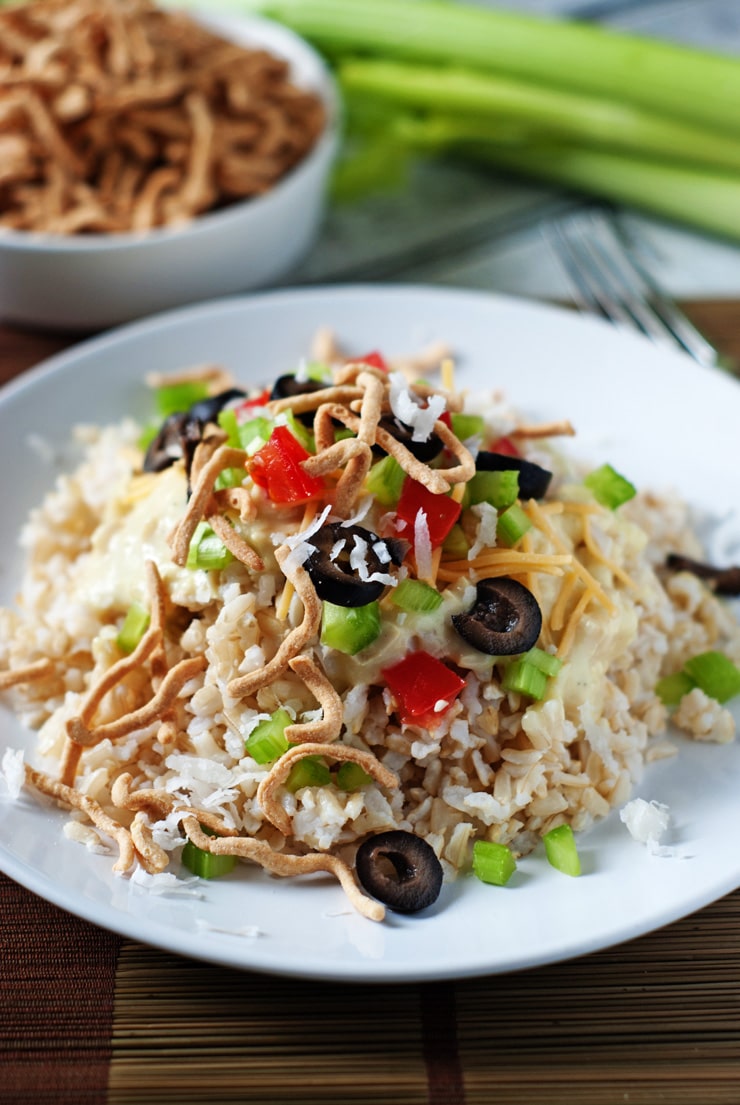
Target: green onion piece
x=228 y=423
x=608 y=487
x=207 y=550
x=416 y=597
x=205 y=864
x=179 y=397
x=456 y=543
x=512 y=524
x=524 y=678
x=267 y=741
x=561 y=852
x=465 y=426
x=351 y=776
x=349 y=629
x=545 y=661
x=299 y=431
x=671 y=688
x=500 y=489
x=715 y=674
x=385 y=480
x=135 y=625
x=309 y=772
x=493 y=863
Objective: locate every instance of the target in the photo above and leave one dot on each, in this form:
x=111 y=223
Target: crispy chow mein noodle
x=160 y=743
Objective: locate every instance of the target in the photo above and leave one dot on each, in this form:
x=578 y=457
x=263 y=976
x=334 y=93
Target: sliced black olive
x=422 y=450
x=207 y=410
x=335 y=580
x=533 y=479
x=400 y=870
x=725 y=581
x=286 y=387
x=504 y=619
x=177 y=439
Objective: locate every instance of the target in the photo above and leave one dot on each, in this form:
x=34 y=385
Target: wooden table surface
x=87 y=1016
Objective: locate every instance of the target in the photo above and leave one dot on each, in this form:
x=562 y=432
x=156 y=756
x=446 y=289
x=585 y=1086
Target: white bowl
x=88 y=282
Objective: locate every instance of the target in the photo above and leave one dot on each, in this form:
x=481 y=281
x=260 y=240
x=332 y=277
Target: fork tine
x=612 y=282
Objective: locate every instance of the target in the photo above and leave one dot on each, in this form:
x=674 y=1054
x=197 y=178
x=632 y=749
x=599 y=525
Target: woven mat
x=87 y=1018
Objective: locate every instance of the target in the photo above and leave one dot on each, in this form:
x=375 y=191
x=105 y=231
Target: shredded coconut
x=12 y=772
x=420 y=419
x=647 y=822
x=422 y=545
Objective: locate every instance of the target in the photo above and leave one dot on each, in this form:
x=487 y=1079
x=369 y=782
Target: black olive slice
x=207 y=410
x=504 y=619
x=724 y=581
x=286 y=387
x=177 y=439
x=533 y=479
x=399 y=869
x=422 y=450
x=335 y=580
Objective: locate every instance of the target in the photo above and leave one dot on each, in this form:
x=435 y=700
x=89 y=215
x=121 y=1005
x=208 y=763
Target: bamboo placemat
x=89 y=1018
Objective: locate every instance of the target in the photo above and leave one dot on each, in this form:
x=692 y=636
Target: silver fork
x=610 y=279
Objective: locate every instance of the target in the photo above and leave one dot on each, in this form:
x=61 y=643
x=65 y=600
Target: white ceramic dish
x=89 y=282
x=632 y=405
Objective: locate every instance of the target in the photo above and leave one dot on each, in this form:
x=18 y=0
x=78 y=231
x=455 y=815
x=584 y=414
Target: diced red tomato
x=423 y=687
x=375 y=359
x=441 y=511
x=276 y=467
x=446 y=417
x=506 y=446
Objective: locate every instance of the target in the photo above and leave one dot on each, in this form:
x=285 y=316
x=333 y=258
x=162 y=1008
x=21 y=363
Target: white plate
x=654 y=415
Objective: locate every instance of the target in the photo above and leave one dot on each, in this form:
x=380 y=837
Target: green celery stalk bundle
x=618 y=116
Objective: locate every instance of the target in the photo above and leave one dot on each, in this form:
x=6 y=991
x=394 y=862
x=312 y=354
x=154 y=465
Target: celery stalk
x=706 y=200
x=549 y=112
x=687 y=83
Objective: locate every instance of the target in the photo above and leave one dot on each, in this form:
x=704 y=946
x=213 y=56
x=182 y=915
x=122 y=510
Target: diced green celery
x=207 y=550
x=608 y=487
x=715 y=674
x=299 y=431
x=524 y=678
x=318 y=371
x=456 y=543
x=229 y=477
x=228 y=423
x=350 y=776
x=493 y=863
x=267 y=741
x=147 y=435
x=309 y=772
x=465 y=426
x=135 y=625
x=500 y=489
x=205 y=864
x=416 y=597
x=671 y=688
x=254 y=433
x=512 y=524
x=545 y=661
x=179 y=397
x=385 y=480
x=561 y=851
x=349 y=629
